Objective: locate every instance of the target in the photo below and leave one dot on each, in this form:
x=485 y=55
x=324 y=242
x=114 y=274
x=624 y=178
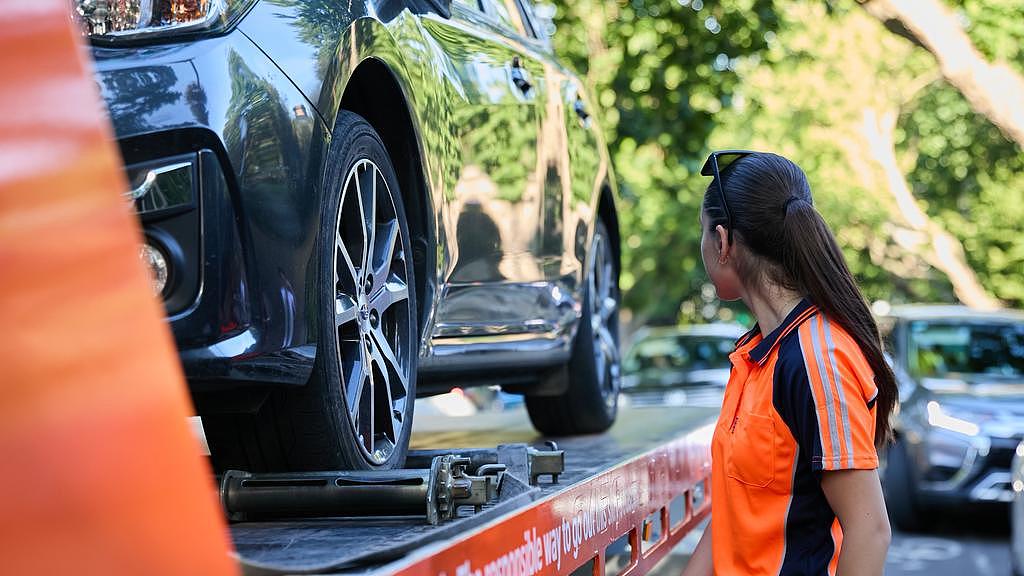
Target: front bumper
x=241 y=308
x=955 y=469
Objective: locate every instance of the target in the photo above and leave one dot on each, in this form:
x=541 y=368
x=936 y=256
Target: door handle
x=581 y=109
x=519 y=76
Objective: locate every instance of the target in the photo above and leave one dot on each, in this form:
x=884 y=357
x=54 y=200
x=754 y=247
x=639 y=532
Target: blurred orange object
x=100 y=473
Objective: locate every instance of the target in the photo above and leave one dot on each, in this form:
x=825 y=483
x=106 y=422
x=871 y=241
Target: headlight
x=133 y=19
x=942 y=419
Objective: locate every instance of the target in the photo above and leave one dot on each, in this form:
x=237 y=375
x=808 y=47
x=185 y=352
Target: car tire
x=355 y=413
x=899 y=487
x=1016 y=520
x=593 y=376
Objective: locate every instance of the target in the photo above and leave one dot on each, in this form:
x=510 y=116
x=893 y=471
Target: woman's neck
x=770 y=305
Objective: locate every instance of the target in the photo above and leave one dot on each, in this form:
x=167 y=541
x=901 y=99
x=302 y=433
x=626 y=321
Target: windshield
x=680 y=353
x=948 y=349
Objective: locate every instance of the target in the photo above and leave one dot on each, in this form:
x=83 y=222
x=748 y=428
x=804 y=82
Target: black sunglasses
x=717 y=163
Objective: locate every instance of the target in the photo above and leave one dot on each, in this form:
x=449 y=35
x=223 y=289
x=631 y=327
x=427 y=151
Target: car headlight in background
x=942 y=419
x=134 y=19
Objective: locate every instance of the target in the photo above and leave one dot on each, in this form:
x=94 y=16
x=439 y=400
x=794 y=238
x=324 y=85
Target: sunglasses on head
x=717 y=163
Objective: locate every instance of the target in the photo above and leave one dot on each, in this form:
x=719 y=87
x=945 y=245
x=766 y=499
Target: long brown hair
x=774 y=216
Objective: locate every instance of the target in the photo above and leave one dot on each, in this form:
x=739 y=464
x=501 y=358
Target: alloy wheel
x=604 y=306
x=372 y=316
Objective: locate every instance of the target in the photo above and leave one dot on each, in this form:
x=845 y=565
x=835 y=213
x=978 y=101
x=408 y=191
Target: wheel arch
x=373 y=91
x=607 y=211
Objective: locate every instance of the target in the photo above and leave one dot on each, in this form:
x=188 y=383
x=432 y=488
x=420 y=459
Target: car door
x=576 y=164
x=569 y=158
x=492 y=216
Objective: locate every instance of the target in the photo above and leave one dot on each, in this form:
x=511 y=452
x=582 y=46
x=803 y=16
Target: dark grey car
x=961 y=417
x=349 y=204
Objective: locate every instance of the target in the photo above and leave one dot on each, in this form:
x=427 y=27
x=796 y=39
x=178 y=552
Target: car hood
x=997 y=405
x=976 y=389
x=661 y=379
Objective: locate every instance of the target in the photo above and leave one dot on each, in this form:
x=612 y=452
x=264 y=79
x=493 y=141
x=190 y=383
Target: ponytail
x=774 y=216
x=813 y=260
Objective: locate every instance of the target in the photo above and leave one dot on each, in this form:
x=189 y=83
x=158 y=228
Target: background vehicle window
x=681 y=353
x=945 y=349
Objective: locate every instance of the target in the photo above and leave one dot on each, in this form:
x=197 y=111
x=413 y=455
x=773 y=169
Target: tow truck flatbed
x=631 y=493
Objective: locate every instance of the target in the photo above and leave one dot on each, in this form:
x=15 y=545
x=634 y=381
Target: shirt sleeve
x=825 y=393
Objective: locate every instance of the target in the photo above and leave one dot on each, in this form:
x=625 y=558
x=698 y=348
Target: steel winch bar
x=434 y=493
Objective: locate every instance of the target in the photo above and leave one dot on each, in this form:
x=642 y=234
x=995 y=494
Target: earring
x=722 y=260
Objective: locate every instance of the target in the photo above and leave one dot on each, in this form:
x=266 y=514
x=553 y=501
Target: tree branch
x=993 y=89
x=925 y=237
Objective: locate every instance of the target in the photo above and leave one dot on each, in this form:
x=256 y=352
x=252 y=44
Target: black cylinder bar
x=248 y=496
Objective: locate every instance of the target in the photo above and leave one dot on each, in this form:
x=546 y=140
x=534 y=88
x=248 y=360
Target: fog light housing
x=159 y=268
x=163 y=187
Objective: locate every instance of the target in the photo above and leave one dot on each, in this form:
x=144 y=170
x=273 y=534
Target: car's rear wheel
x=356 y=410
x=590 y=401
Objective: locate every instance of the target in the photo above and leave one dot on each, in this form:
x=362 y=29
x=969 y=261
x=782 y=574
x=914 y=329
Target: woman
x=795 y=487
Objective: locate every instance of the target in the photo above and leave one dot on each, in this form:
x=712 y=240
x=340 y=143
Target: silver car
x=961 y=416
x=1017 y=512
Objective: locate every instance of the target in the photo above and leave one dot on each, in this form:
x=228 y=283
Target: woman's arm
x=700 y=562
x=856 y=498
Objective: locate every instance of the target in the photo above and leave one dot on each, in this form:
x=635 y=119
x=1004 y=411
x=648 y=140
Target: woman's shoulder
x=821 y=350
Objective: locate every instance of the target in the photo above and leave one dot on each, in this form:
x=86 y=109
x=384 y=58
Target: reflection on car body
x=383 y=199
x=961 y=417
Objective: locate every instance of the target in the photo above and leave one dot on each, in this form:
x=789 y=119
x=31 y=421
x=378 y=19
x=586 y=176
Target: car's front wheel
x=356 y=410
x=590 y=401
x=900 y=489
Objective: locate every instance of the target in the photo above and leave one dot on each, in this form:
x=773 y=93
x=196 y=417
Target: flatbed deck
x=634 y=490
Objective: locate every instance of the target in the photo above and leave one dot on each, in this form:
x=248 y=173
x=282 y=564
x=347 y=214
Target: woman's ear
x=724 y=248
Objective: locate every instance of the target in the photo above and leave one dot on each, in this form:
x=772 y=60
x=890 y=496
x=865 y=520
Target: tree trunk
x=993 y=89
x=923 y=235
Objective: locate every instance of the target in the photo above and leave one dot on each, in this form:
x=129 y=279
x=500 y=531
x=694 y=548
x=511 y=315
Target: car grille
x=707 y=397
x=1000 y=455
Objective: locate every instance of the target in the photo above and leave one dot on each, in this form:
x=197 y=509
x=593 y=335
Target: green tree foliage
x=971 y=179
x=678 y=78
x=662 y=71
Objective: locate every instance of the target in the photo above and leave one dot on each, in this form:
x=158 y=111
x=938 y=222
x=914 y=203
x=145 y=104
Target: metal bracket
x=545 y=462
x=518 y=459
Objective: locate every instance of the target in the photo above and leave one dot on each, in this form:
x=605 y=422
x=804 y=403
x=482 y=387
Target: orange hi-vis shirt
x=799 y=402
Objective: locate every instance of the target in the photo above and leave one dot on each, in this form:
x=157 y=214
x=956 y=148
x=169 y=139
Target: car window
x=681 y=353
x=945 y=349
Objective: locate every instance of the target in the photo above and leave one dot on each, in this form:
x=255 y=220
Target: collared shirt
x=799 y=402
